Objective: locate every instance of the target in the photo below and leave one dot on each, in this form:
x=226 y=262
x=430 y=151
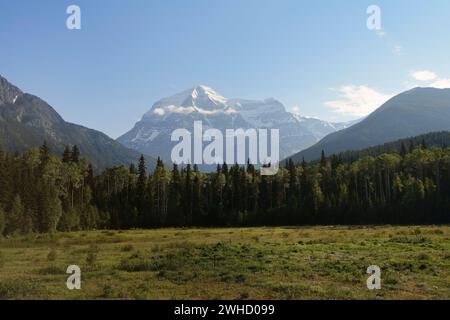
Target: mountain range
x=26 y=121
x=151 y=135
x=411 y=113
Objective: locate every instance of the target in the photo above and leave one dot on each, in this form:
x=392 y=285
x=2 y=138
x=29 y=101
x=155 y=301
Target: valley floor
x=251 y=263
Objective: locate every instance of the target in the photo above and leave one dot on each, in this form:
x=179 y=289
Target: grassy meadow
x=250 y=263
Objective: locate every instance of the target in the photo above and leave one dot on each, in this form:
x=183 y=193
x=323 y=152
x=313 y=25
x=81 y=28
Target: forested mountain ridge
x=26 y=121
x=401 y=147
x=411 y=113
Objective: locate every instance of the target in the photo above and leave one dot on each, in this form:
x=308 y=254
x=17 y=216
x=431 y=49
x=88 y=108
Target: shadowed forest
x=40 y=192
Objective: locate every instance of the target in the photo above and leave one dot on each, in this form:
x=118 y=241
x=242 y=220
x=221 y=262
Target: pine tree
x=423 y=144
x=197 y=213
x=225 y=170
x=159 y=162
x=44 y=154
x=293 y=190
x=67 y=155
x=132 y=169
x=14 y=217
x=159 y=184
x=187 y=197
x=90 y=179
x=403 y=150
x=250 y=168
x=323 y=159
x=75 y=154
x=142 y=175
x=141 y=189
x=174 y=214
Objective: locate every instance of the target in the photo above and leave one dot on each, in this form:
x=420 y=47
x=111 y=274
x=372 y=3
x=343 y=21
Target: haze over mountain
x=151 y=135
x=26 y=121
x=412 y=113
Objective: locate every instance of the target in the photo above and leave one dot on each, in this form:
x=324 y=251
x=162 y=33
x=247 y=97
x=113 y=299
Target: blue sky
x=317 y=57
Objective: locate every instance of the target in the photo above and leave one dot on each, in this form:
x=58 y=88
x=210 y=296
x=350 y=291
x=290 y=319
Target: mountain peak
x=204 y=88
x=8 y=92
x=198 y=98
x=202 y=94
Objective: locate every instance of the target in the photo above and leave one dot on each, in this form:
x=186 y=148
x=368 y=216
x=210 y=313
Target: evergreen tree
x=75 y=154
x=67 y=155
x=323 y=159
x=175 y=216
x=132 y=169
x=187 y=202
x=90 y=179
x=141 y=190
x=197 y=212
x=44 y=154
x=142 y=175
x=14 y=217
x=403 y=150
x=424 y=144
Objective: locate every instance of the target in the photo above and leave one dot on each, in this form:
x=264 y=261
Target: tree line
x=40 y=192
x=436 y=139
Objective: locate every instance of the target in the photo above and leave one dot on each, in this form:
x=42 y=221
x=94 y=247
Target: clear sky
x=317 y=57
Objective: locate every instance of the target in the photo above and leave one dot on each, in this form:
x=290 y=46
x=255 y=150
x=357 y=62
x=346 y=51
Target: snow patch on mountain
x=145 y=136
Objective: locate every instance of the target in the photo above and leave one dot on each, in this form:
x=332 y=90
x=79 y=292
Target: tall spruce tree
x=67 y=155
x=45 y=154
x=14 y=218
x=141 y=190
x=75 y=154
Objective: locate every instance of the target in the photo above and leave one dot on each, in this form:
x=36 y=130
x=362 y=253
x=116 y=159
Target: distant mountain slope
x=26 y=121
x=433 y=139
x=151 y=135
x=412 y=113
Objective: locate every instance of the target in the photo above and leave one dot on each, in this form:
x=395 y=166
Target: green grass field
x=252 y=263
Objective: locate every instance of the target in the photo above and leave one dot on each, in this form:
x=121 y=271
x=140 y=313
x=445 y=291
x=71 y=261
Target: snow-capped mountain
x=320 y=128
x=152 y=134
